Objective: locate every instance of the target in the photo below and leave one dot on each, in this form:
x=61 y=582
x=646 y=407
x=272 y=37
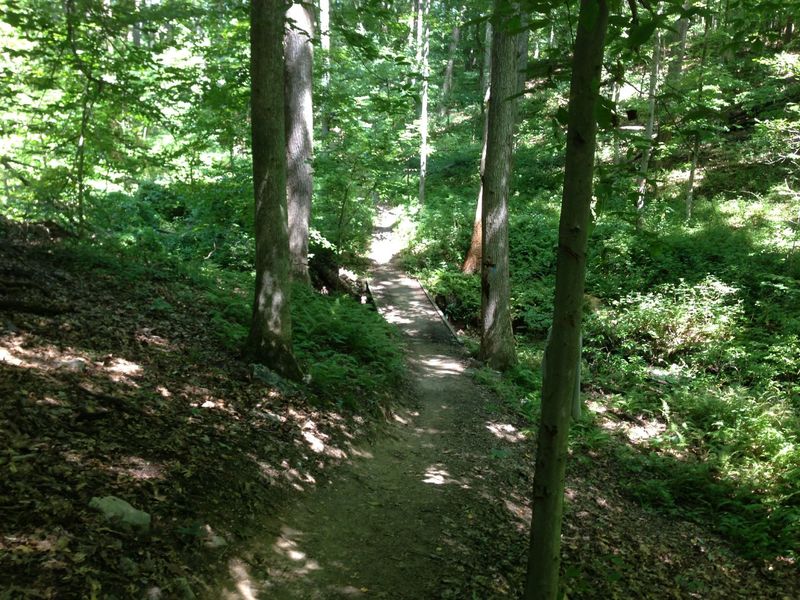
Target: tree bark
x=644 y=167
x=695 y=151
x=423 y=37
x=497 y=338
x=472 y=261
x=675 y=67
x=562 y=362
x=523 y=41
x=270 y=339
x=325 y=46
x=299 y=125
x=447 y=84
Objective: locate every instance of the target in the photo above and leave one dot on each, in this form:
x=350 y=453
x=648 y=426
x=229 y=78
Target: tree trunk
x=270 y=339
x=523 y=40
x=497 y=338
x=447 y=84
x=695 y=151
x=136 y=28
x=486 y=65
x=299 y=124
x=679 y=49
x=423 y=36
x=644 y=166
x=472 y=261
x=325 y=46
x=561 y=366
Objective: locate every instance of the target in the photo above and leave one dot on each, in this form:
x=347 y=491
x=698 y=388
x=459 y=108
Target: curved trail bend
x=388 y=522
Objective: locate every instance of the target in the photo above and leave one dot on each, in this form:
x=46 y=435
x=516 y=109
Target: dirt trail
x=382 y=527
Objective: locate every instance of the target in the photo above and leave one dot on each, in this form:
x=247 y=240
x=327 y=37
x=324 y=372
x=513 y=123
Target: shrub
x=672 y=319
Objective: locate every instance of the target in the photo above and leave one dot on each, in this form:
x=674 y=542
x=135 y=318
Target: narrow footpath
x=389 y=522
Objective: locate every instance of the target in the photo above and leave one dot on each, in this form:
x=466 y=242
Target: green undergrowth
x=353 y=357
x=691 y=332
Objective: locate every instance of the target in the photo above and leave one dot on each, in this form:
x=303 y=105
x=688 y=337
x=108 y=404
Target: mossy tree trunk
x=497 y=338
x=563 y=350
x=270 y=339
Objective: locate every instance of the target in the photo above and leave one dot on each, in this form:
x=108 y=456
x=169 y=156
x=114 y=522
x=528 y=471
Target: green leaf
x=562 y=115
x=639 y=33
x=604 y=113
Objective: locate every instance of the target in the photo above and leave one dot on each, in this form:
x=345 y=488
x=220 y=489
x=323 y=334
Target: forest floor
x=254 y=493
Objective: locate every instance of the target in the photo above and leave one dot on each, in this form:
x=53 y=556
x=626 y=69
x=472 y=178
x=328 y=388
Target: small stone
x=114 y=508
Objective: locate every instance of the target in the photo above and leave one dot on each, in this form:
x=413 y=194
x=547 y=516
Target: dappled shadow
x=389 y=522
x=129 y=393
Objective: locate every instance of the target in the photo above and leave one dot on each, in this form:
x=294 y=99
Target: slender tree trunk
x=644 y=166
x=80 y=158
x=472 y=262
x=696 y=139
x=447 y=84
x=692 y=175
x=299 y=124
x=679 y=49
x=424 y=37
x=497 y=338
x=619 y=76
x=136 y=28
x=270 y=340
x=325 y=47
x=523 y=41
x=486 y=65
x=325 y=40
x=562 y=364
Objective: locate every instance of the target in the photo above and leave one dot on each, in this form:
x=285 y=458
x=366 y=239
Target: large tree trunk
x=561 y=368
x=299 y=59
x=497 y=338
x=270 y=339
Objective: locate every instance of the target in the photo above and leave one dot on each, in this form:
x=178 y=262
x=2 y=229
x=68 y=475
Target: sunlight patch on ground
x=13 y=351
x=505 y=431
x=139 y=468
x=146 y=337
x=385 y=245
x=519 y=507
x=441 y=365
x=244 y=583
x=438 y=475
x=638 y=430
x=287 y=545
